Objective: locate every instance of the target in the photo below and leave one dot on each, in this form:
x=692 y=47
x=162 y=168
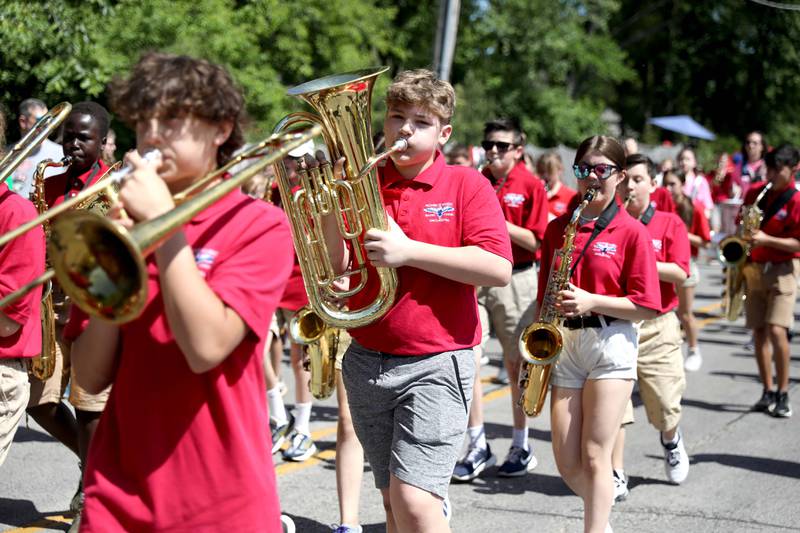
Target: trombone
x=100 y=264
x=36 y=136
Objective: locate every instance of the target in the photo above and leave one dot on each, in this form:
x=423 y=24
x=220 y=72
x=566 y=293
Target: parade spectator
x=30 y=111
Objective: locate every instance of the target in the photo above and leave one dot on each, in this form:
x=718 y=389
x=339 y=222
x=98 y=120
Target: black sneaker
x=782 y=409
x=766 y=403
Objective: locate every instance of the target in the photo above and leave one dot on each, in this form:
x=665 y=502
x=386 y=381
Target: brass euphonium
x=36 y=136
x=43 y=365
x=321 y=343
x=100 y=264
x=342 y=103
x=733 y=253
x=541 y=342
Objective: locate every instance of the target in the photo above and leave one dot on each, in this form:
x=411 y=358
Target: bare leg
x=780 y=354
x=349 y=460
x=302 y=377
x=269 y=369
x=618 y=453
x=763 y=348
x=512 y=367
x=416 y=510
x=686 y=315
x=391 y=524
x=276 y=356
x=57 y=420
x=476 y=407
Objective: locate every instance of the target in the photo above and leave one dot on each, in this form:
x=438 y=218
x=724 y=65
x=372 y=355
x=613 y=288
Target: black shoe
x=782 y=409
x=766 y=403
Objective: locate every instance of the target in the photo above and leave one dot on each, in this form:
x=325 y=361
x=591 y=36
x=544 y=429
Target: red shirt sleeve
x=76 y=323
x=700 y=225
x=483 y=222
x=677 y=246
x=537 y=218
x=639 y=272
x=22 y=259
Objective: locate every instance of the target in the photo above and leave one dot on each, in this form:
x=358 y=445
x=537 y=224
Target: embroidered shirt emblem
x=204 y=258
x=657 y=244
x=439 y=212
x=604 y=249
x=514 y=199
x=782 y=214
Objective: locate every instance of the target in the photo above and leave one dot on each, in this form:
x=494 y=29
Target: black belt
x=522 y=266
x=591 y=321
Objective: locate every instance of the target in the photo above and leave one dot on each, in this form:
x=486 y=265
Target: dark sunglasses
x=501 y=146
x=602 y=171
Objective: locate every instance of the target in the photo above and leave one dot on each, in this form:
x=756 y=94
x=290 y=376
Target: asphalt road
x=745 y=466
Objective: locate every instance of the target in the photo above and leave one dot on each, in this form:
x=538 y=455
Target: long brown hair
x=606 y=146
x=683 y=204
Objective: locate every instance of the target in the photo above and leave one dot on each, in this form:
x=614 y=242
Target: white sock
x=519 y=438
x=302 y=418
x=674 y=440
x=620 y=473
x=477 y=437
x=277 y=411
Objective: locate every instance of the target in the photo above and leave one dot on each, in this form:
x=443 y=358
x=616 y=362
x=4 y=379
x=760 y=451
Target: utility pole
x=445 y=44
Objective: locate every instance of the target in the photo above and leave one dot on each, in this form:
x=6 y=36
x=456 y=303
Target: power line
x=778 y=5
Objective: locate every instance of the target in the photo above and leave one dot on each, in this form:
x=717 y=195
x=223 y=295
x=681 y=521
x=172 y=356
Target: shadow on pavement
x=503 y=431
x=28 y=434
x=636 y=481
x=23 y=513
x=489 y=483
x=720 y=407
x=306 y=525
x=764 y=465
x=745 y=376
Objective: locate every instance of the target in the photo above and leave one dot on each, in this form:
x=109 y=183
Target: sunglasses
x=501 y=146
x=602 y=171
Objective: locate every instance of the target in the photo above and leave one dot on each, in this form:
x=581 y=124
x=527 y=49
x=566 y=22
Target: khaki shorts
x=662 y=379
x=771 y=293
x=14 y=392
x=694 y=275
x=607 y=352
x=509 y=309
x=344 y=343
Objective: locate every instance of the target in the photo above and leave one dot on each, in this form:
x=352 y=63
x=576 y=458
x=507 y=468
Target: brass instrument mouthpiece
x=120 y=175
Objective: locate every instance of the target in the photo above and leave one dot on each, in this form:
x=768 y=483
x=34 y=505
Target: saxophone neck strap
x=602 y=223
x=76 y=183
x=648 y=214
x=771 y=209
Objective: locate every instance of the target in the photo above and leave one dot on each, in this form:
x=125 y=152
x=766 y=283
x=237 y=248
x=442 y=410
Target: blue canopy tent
x=683 y=124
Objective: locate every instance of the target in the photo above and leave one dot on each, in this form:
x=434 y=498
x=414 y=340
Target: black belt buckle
x=522 y=266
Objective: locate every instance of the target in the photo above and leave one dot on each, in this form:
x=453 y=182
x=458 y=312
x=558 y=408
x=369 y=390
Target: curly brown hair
x=423 y=88
x=176 y=86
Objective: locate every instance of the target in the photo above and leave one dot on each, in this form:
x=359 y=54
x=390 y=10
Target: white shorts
x=607 y=352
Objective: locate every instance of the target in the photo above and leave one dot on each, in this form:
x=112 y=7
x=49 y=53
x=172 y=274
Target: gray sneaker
x=281 y=432
x=300 y=449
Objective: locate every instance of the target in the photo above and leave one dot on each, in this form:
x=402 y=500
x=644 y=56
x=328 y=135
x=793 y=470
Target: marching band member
x=508 y=308
x=559 y=196
x=416 y=363
x=771 y=277
x=659 y=366
x=84 y=135
x=21 y=261
x=614 y=283
x=183 y=443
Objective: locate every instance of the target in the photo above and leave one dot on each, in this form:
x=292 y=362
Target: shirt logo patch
x=657 y=244
x=604 y=249
x=204 y=258
x=514 y=199
x=439 y=212
x=782 y=214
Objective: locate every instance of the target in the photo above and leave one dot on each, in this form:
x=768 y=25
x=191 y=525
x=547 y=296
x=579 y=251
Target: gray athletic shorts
x=410 y=413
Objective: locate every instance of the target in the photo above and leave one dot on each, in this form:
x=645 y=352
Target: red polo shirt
x=21 y=261
x=447 y=206
x=524 y=204
x=663 y=200
x=785 y=223
x=619 y=262
x=59 y=187
x=700 y=225
x=294 y=294
x=558 y=203
x=179 y=451
x=671 y=243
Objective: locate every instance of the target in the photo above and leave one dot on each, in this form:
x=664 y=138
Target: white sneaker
x=676 y=461
x=484 y=359
x=287 y=524
x=447 y=509
x=693 y=361
x=620 y=487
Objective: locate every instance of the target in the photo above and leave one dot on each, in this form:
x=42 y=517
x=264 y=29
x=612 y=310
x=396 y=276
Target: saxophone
x=44 y=364
x=321 y=343
x=733 y=252
x=541 y=342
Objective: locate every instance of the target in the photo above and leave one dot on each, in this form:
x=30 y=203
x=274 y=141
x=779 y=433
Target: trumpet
x=36 y=136
x=321 y=343
x=100 y=264
x=342 y=103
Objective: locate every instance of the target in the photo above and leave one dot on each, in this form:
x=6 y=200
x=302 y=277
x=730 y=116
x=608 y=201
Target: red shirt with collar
x=21 y=261
x=700 y=226
x=445 y=205
x=785 y=223
x=294 y=294
x=662 y=198
x=524 y=204
x=619 y=262
x=180 y=451
x=59 y=187
x=671 y=243
x=559 y=202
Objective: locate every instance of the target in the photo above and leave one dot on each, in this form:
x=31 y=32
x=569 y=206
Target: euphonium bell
x=342 y=103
